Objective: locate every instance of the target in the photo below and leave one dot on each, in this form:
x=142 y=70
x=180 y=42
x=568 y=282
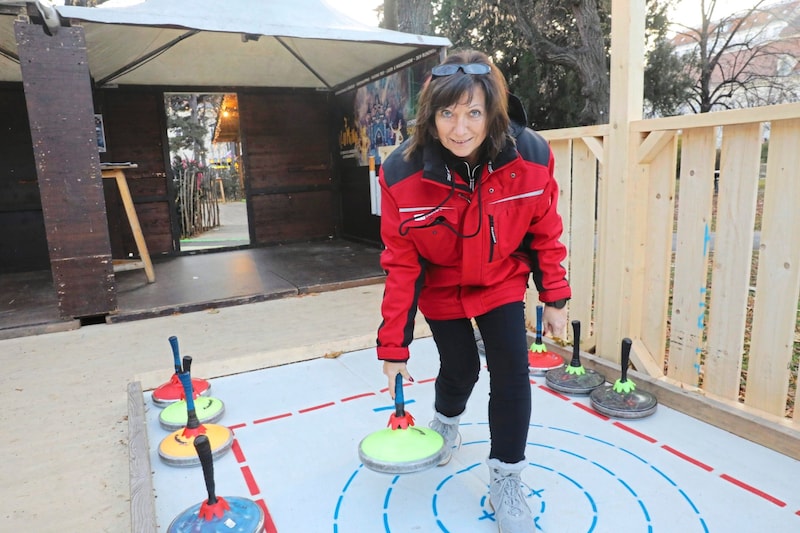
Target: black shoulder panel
x=533 y=147
x=396 y=168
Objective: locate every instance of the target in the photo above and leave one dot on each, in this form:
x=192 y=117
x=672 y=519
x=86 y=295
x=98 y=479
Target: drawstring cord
x=440 y=220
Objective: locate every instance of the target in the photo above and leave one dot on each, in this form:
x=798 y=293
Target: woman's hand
x=391 y=369
x=554 y=321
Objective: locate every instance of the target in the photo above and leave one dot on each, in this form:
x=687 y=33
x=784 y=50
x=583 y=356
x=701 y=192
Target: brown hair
x=440 y=92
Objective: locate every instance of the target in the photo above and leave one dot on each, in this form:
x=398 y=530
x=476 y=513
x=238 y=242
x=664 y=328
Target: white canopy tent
x=236 y=43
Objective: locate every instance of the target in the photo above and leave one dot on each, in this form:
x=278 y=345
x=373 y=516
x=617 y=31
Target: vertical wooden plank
x=778 y=280
x=625 y=106
x=691 y=254
x=658 y=253
x=564 y=176
x=636 y=239
x=58 y=94
x=730 y=267
x=582 y=239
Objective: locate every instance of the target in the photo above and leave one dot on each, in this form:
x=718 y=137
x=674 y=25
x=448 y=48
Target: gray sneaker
x=447 y=427
x=511 y=511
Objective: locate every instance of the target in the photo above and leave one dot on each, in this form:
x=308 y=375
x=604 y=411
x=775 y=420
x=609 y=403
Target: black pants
x=504 y=335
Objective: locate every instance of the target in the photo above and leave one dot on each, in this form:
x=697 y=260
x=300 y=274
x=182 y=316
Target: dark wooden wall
x=287 y=141
x=293 y=192
x=23 y=243
x=357 y=221
x=136 y=132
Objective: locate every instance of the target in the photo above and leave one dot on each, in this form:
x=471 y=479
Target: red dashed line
x=252 y=486
x=554 y=393
x=589 y=410
x=237 y=426
x=271 y=418
x=269 y=525
x=754 y=490
x=685 y=457
x=321 y=406
x=237 y=451
x=634 y=432
x=250 y=480
x=357 y=396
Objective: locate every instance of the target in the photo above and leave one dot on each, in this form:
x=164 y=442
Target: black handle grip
x=576 y=344
x=187 y=363
x=176 y=353
x=626 y=357
x=203 y=447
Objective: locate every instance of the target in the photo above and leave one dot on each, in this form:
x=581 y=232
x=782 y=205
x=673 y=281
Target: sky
x=686 y=11
x=361 y=10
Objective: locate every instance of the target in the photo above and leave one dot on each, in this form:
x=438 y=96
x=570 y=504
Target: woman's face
x=461 y=127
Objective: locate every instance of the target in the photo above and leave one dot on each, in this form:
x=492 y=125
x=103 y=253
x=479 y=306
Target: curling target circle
x=574 y=481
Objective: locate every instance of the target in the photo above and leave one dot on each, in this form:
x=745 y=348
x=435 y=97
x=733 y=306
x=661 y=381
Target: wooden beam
x=718 y=118
x=567 y=134
x=595 y=144
x=627 y=88
x=143 y=508
x=58 y=95
x=644 y=361
x=653 y=144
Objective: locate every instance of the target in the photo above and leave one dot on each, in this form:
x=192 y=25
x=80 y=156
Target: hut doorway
x=207 y=173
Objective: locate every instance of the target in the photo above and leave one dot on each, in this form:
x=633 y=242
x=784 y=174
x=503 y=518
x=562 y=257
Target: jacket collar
x=435 y=158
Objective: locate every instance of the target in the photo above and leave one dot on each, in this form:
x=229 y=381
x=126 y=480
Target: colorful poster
x=375 y=117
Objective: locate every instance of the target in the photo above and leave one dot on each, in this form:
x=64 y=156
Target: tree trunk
x=592 y=63
x=389 y=15
x=410 y=16
x=588 y=58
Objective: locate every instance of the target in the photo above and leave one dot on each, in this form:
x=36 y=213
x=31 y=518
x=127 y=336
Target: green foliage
x=552 y=92
x=666 y=83
x=190 y=118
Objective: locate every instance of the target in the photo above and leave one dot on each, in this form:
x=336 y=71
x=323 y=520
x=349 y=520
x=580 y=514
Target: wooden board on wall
x=292 y=217
x=287 y=147
x=151 y=209
x=68 y=167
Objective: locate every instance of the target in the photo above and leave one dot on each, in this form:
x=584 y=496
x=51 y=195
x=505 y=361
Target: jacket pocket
x=434 y=233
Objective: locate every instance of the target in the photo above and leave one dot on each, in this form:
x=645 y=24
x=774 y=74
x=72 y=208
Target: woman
x=468 y=213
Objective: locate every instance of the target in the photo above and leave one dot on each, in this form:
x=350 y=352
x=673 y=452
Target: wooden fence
x=712 y=275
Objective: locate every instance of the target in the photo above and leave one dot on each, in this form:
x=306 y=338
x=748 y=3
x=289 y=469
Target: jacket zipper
x=492 y=238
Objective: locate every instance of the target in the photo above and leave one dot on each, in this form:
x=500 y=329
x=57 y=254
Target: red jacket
x=456 y=252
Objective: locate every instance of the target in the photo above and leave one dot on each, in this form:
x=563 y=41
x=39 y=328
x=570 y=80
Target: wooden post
x=614 y=289
x=58 y=94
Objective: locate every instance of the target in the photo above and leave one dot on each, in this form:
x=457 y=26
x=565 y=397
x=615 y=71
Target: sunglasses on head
x=449 y=69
